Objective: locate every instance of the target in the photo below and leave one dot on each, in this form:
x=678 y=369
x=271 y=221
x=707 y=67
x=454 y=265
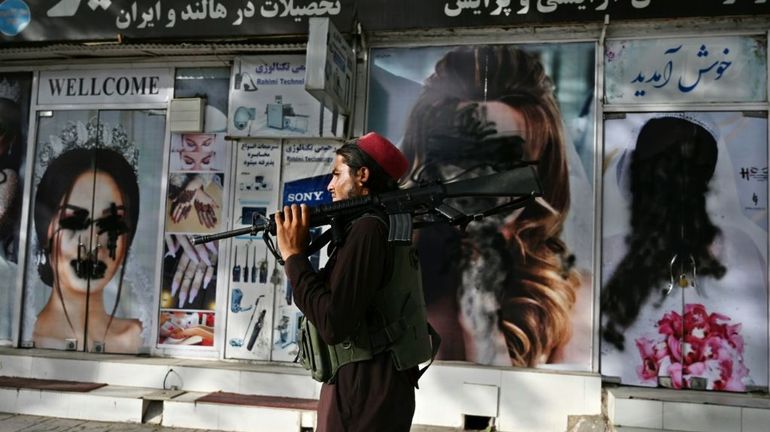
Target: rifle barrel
x=200 y=239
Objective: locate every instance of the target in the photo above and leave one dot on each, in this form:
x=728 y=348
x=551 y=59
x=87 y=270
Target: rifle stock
x=403 y=205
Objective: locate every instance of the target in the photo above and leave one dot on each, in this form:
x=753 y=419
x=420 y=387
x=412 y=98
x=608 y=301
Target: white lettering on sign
x=304 y=196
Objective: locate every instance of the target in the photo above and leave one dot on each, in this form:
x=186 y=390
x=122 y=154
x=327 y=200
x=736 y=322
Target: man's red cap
x=387 y=155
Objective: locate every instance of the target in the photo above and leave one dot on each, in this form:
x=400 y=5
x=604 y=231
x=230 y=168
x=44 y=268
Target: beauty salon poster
x=684 y=250
x=460 y=112
x=197 y=165
x=14 y=109
x=101 y=239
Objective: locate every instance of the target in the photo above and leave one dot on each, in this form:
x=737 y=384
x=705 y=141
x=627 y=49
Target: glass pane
x=54 y=295
x=14 y=115
x=527 y=300
x=129 y=299
x=98 y=230
x=684 y=267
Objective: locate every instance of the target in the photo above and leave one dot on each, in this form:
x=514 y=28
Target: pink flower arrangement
x=698 y=345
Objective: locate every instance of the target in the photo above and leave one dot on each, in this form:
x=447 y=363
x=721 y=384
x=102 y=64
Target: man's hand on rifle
x=292 y=230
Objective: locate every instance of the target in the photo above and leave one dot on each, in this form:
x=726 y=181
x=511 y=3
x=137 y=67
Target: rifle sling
x=319 y=242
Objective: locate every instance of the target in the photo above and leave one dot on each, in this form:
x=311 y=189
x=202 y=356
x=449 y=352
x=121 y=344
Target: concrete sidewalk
x=27 y=423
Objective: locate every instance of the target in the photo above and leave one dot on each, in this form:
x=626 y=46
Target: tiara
x=703 y=120
x=10 y=90
x=91 y=135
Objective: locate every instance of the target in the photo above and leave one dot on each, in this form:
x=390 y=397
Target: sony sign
x=104 y=86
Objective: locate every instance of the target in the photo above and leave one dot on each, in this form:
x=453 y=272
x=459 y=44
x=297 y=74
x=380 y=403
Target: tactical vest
x=396 y=323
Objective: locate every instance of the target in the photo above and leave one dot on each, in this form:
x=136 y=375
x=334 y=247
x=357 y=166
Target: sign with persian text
x=723 y=69
x=268 y=99
x=70 y=20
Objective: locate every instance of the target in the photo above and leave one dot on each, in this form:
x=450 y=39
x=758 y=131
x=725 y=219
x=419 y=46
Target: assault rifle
x=407 y=209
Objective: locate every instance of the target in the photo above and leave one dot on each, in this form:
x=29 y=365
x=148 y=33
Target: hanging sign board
x=329 y=66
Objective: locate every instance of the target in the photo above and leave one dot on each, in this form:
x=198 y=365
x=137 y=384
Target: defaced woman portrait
x=11 y=147
x=505 y=290
x=85 y=213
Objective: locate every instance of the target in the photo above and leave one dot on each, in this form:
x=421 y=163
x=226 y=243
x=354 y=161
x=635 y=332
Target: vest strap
x=388 y=334
x=435 y=342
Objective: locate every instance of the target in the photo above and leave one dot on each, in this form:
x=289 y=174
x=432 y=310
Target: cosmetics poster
x=199 y=151
x=94 y=230
x=684 y=250
x=198 y=162
x=14 y=115
x=189 y=284
x=462 y=111
x=268 y=99
x=251 y=269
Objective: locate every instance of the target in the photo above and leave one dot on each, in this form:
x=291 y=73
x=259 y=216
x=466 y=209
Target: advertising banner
x=307 y=167
x=254 y=275
x=63 y=20
x=268 y=99
x=198 y=165
x=684 y=250
x=515 y=288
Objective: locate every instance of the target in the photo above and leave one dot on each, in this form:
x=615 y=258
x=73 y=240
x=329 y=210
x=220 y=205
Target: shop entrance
x=93 y=230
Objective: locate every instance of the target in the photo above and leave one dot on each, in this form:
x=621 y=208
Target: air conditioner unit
x=186 y=114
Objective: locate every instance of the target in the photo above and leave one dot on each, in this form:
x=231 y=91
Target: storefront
x=645 y=263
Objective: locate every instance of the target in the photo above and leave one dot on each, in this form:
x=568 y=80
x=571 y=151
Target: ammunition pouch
x=323 y=360
x=396 y=323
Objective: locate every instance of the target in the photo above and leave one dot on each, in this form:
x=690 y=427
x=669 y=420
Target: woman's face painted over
x=6 y=138
x=484 y=138
x=506 y=120
x=86 y=245
x=476 y=139
x=9 y=115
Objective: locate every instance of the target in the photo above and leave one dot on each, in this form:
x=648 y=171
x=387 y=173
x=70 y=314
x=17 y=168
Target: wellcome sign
x=104 y=86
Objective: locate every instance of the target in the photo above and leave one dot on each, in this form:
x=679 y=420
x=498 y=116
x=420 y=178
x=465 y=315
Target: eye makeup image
x=196 y=160
x=198 y=142
x=197 y=152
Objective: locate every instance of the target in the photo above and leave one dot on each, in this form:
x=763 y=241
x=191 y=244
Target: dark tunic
x=371 y=395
